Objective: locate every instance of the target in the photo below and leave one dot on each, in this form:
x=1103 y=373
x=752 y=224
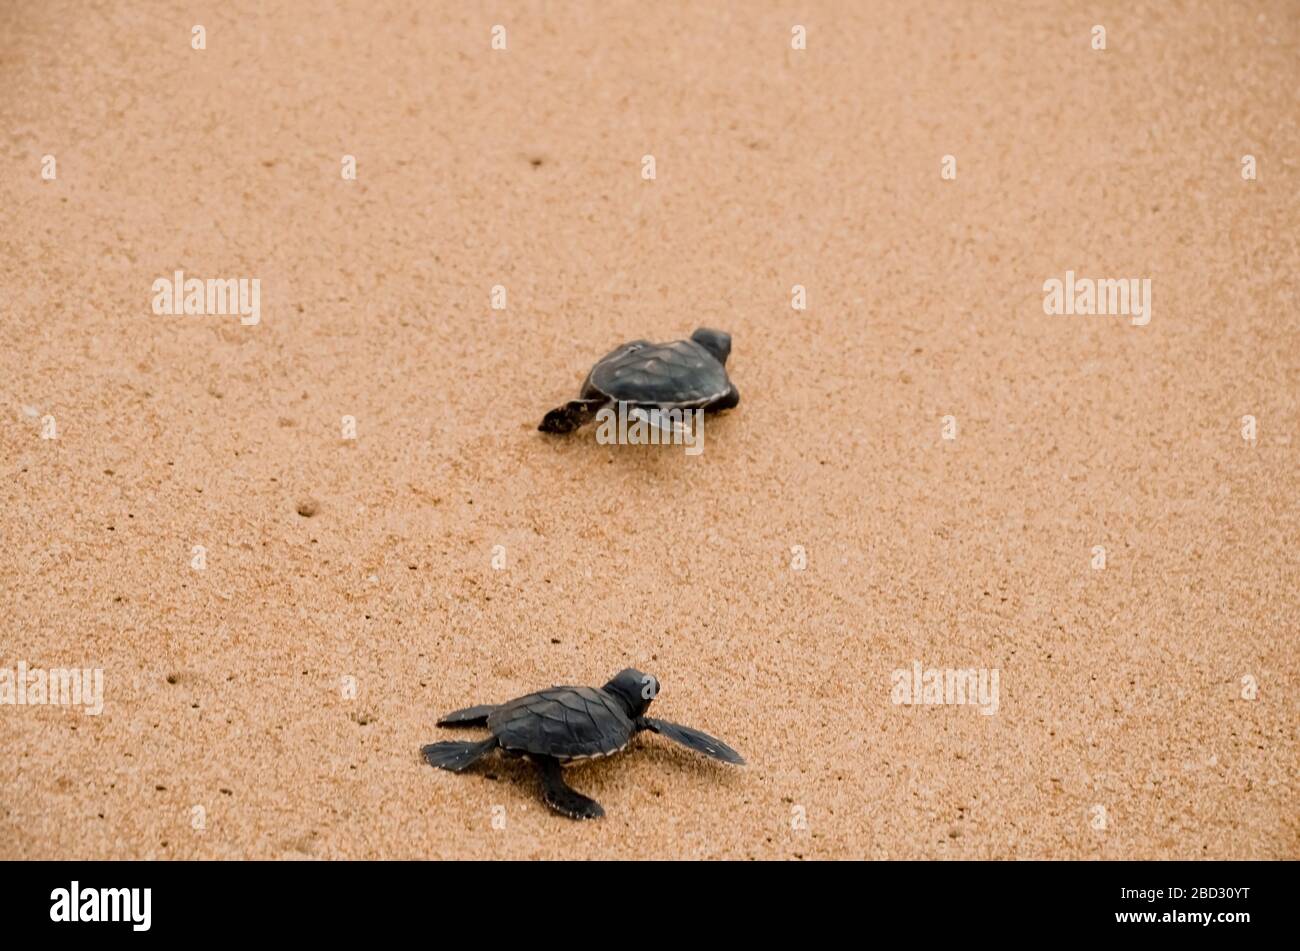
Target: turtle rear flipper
x=455 y=755
x=572 y=415
x=470 y=716
x=562 y=797
x=696 y=740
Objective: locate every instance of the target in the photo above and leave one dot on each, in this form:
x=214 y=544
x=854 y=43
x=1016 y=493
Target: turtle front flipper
x=727 y=400
x=470 y=716
x=572 y=415
x=562 y=797
x=696 y=740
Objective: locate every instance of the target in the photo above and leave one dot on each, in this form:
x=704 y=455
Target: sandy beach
x=289 y=544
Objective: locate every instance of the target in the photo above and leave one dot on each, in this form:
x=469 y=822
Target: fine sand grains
x=290 y=545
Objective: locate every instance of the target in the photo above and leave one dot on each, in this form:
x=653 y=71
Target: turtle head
x=717 y=342
x=634 y=690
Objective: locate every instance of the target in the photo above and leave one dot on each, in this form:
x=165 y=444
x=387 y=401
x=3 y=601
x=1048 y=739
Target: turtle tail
x=456 y=755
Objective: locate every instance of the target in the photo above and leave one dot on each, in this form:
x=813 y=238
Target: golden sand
x=1124 y=725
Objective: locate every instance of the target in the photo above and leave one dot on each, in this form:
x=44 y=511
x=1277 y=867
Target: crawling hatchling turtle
x=684 y=374
x=562 y=725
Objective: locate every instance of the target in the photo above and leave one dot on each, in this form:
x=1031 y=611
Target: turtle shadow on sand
x=562 y=725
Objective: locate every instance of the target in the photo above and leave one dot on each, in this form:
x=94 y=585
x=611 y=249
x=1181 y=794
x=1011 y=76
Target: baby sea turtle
x=562 y=725
x=684 y=374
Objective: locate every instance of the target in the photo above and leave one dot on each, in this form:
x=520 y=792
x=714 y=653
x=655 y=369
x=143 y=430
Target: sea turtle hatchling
x=682 y=375
x=563 y=725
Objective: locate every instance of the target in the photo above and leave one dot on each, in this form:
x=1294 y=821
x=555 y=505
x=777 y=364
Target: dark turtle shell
x=681 y=372
x=564 y=722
